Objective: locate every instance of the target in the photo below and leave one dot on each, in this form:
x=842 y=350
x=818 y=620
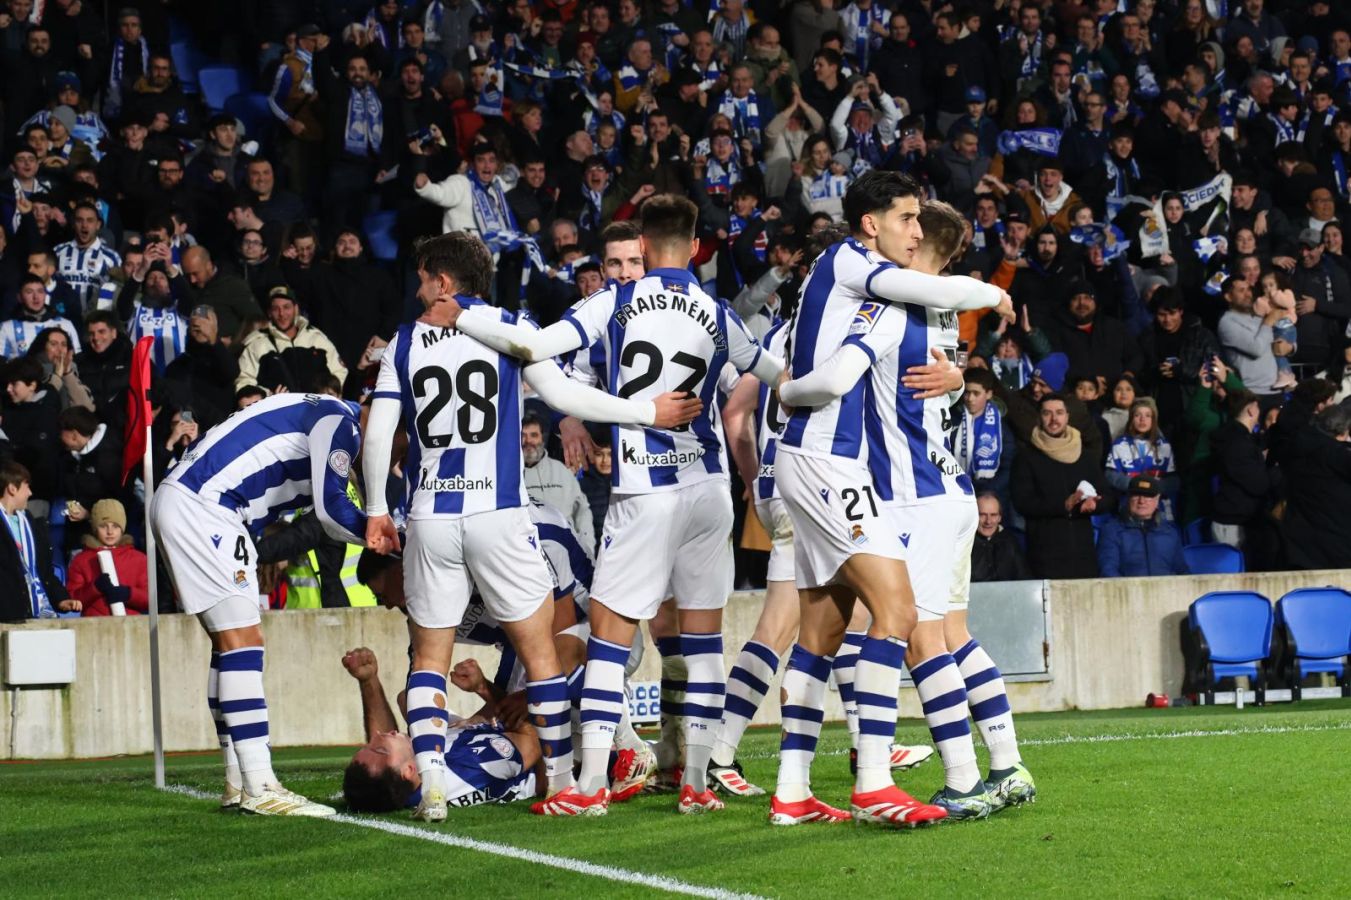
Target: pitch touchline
x=1114 y=738
x=580 y=866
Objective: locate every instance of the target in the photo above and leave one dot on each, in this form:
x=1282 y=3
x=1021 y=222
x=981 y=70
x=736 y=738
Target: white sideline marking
x=1115 y=738
x=580 y=866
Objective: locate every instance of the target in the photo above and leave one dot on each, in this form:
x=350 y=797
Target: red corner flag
x=138 y=408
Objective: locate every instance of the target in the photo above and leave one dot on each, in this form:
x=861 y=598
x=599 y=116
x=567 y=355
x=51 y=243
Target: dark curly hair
x=386 y=792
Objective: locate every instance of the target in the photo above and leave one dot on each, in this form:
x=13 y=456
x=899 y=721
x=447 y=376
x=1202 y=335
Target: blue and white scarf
x=1207 y=247
x=709 y=74
x=592 y=218
x=734 y=33
x=978 y=238
x=376 y=29
x=1044 y=140
x=1146 y=83
x=592 y=119
x=868 y=148
x=490 y=98
x=1339 y=173
x=116 y=74
x=497 y=225
x=568 y=271
x=365 y=122
x=630 y=79
x=745 y=115
x=1032 y=60
x=735 y=225
x=673 y=54
x=865 y=40
x=22 y=533
x=827 y=186
x=981 y=442
x=720 y=178
x=1110 y=238
x=1287 y=131
x=1021 y=369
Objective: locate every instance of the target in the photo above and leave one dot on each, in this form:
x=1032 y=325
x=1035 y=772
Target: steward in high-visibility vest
x=322 y=571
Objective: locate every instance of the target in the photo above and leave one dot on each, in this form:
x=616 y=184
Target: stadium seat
x=1317 y=623
x=220 y=83
x=188 y=61
x=1196 y=532
x=1213 y=559
x=379 y=229
x=252 y=111
x=1233 y=638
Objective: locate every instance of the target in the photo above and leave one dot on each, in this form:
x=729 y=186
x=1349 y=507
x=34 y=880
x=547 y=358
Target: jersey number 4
x=436 y=383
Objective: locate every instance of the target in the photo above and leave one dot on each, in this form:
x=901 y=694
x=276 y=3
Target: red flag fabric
x=138 y=408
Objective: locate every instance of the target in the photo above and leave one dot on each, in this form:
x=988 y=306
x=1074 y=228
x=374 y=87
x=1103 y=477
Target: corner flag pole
x=137 y=441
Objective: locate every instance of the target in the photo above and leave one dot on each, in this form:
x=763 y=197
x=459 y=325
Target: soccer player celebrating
x=467 y=518
x=281 y=454
x=670 y=514
x=844 y=546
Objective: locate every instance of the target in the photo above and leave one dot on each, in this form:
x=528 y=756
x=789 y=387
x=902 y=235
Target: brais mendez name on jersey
x=677 y=301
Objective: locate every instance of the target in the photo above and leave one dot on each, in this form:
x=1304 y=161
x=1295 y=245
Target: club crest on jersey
x=857 y=536
x=241 y=580
x=340 y=461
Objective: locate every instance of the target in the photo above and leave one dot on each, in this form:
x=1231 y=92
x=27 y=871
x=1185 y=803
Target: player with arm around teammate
x=460 y=401
x=670 y=515
x=843 y=545
x=279 y=455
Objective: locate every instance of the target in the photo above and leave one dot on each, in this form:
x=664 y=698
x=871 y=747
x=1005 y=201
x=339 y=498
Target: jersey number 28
x=436 y=383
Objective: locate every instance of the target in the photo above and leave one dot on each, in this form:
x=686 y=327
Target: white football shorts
x=778 y=524
x=835 y=515
x=937 y=536
x=211 y=558
x=497 y=551
x=679 y=539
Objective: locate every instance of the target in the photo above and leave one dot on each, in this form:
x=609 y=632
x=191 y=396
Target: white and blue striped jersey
x=86 y=268
x=462 y=407
x=17 y=335
x=908 y=451
x=166 y=326
x=284 y=453
x=657 y=334
x=769 y=420
x=482 y=766
x=836 y=287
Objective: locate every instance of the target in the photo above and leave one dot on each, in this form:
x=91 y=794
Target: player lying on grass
x=492 y=756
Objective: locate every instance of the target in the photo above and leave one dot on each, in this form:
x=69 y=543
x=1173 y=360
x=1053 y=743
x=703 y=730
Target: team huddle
x=839 y=422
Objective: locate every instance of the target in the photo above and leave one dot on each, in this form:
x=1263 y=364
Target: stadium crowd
x=1159 y=185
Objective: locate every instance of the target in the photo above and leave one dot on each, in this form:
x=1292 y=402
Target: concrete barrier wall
x=1112 y=641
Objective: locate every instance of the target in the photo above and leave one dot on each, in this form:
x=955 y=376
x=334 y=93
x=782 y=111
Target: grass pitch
x=1146 y=803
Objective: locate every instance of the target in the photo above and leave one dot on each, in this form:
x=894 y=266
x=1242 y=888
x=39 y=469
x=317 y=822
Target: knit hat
x=1052 y=370
x=108 y=511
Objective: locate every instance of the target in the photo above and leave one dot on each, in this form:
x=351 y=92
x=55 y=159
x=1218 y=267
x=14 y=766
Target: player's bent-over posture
x=281 y=454
x=844 y=546
x=461 y=403
x=670 y=516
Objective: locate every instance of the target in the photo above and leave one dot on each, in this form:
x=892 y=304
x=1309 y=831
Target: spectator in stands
x=32 y=317
x=1140 y=541
x=91 y=467
x=1246 y=336
x=53 y=351
x=995 y=554
x=31 y=419
x=1058 y=486
x=289 y=352
x=1095 y=344
x=983 y=443
x=1172 y=352
x=550 y=482
x=206 y=369
x=225 y=293
x=29 y=588
x=1323 y=302
x=1247 y=485
x=595 y=481
x=271 y=203
x=1309 y=398
x=254 y=265
x=105 y=367
x=87 y=581
x=1142 y=450
x=1318 y=488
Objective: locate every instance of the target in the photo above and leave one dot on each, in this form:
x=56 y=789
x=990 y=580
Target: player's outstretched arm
x=829 y=381
x=955 y=292
x=334 y=442
x=532 y=345
x=376 y=713
x=592 y=405
x=381 y=535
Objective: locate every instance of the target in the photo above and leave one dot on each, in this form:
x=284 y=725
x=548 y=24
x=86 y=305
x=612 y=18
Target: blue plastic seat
x=379 y=229
x=188 y=61
x=1318 y=622
x=1213 y=559
x=252 y=111
x=1196 y=532
x=220 y=83
x=1234 y=630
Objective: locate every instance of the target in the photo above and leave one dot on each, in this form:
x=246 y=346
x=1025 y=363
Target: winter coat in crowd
x=1318 y=492
x=1129 y=547
x=1059 y=543
x=997 y=558
x=82 y=580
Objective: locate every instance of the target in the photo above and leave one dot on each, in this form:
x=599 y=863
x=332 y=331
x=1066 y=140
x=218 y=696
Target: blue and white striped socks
x=877 y=682
x=747 y=685
x=227 y=748
x=603 y=705
x=673 y=676
x=845 y=662
x=802 y=711
x=989 y=704
x=244 y=709
x=551 y=713
x=427 y=724
x=943 y=696
x=705 y=688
